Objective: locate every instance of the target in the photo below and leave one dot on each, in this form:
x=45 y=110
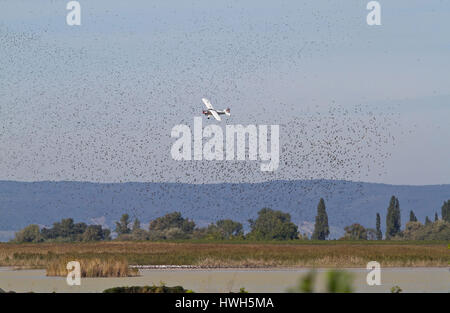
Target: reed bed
x=222 y=255
x=95 y=267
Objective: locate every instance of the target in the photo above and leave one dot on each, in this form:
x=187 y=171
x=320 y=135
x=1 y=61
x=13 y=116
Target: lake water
x=226 y=280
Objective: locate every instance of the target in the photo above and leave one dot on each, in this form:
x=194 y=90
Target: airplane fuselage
x=208 y=112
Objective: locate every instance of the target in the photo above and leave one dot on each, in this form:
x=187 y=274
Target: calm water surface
x=270 y=280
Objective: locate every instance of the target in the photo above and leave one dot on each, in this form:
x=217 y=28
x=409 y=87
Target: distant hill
x=23 y=203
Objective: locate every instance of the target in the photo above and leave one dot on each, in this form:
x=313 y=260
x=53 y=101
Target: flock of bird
x=94 y=107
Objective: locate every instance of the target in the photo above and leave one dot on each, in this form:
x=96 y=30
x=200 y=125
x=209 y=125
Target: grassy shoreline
x=330 y=254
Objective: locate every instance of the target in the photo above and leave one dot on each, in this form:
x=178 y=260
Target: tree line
x=439 y=229
x=269 y=225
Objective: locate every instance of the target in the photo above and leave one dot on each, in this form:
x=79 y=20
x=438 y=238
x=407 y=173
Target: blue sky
x=97 y=102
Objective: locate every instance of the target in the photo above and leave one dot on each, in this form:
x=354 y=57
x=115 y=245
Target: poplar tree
x=393 y=223
x=321 y=228
x=378 y=228
x=122 y=225
x=445 y=211
x=412 y=217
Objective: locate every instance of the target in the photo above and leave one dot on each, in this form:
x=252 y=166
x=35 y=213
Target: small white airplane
x=212 y=111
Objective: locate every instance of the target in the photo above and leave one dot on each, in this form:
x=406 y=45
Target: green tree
x=371 y=234
x=393 y=223
x=172 y=220
x=427 y=221
x=436 y=217
x=439 y=230
x=30 y=233
x=137 y=233
x=379 y=234
x=171 y=226
x=229 y=228
x=445 y=211
x=222 y=229
x=136 y=225
x=96 y=233
x=272 y=225
x=66 y=230
x=413 y=230
x=321 y=228
x=412 y=217
x=122 y=226
x=355 y=232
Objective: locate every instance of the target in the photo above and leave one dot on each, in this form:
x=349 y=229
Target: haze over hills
x=24 y=203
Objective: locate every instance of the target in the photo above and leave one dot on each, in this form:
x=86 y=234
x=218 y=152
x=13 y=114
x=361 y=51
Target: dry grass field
x=112 y=258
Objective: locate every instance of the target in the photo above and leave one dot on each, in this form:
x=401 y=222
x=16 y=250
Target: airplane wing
x=207 y=103
x=214 y=113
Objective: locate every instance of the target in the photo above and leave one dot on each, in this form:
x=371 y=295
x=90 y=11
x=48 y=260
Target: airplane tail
x=227 y=112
